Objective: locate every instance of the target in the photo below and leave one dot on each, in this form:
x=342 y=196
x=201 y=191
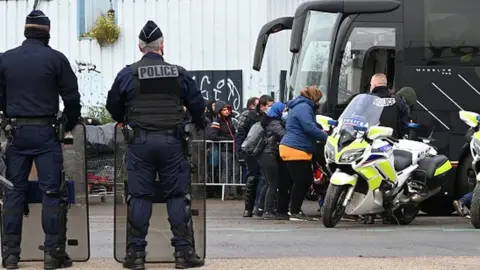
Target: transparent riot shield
x=159 y=249
x=78 y=232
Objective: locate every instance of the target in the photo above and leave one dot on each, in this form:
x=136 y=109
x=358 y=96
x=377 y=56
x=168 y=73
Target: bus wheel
x=438 y=206
x=465 y=177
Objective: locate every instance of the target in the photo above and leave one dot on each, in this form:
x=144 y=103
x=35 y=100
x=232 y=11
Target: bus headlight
x=351 y=155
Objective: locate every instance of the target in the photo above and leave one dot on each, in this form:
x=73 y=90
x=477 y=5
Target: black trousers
x=252 y=182
x=284 y=188
x=269 y=163
x=302 y=176
x=253 y=166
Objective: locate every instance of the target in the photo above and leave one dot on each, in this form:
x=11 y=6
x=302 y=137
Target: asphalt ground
x=234 y=242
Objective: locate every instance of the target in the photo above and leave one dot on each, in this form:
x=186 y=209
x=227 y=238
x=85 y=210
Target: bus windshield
x=310 y=64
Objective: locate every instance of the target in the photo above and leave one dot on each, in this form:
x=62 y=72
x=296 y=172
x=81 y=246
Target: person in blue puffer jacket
x=298 y=146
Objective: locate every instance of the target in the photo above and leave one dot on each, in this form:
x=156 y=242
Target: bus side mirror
x=272 y=27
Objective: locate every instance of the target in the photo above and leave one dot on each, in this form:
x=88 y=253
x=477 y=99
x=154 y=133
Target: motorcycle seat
x=430 y=164
x=402 y=159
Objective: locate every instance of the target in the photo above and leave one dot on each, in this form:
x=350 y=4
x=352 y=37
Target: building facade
x=214 y=39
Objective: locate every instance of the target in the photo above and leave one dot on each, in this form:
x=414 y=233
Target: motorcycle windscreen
x=78 y=238
x=159 y=249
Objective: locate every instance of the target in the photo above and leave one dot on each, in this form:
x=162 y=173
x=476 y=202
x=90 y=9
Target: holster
x=128 y=134
x=60 y=126
x=6 y=126
x=184 y=135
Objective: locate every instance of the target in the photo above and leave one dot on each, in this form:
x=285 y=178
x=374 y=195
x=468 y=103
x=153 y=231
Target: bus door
x=365 y=49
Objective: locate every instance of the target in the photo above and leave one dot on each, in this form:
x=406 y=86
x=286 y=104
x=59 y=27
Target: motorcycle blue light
x=360 y=128
x=333 y=122
x=413 y=125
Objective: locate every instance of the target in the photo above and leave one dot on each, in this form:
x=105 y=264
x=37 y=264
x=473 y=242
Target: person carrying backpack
x=272 y=167
x=253 y=177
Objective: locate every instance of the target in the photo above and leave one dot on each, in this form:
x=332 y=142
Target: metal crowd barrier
x=222 y=168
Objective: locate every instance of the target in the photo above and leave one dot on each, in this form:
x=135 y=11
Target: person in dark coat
x=251 y=105
x=221 y=128
x=149 y=97
x=272 y=167
x=397 y=115
x=210 y=111
x=32 y=77
x=254 y=173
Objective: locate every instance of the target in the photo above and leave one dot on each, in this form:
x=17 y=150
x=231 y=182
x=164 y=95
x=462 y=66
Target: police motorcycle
x=374 y=173
x=473 y=121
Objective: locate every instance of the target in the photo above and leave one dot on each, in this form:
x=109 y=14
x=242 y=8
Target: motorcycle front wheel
x=333 y=208
x=475 y=208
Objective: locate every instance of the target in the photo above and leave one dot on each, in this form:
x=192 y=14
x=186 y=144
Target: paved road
x=229 y=236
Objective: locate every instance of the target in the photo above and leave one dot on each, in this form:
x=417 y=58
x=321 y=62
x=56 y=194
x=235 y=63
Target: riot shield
x=78 y=232
x=159 y=249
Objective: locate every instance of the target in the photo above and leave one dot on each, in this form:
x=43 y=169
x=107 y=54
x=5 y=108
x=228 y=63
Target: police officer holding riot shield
x=148 y=97
x=32 y=76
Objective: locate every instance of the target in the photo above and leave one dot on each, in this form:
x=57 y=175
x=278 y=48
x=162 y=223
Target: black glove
x=72 y=112
x=71 y=123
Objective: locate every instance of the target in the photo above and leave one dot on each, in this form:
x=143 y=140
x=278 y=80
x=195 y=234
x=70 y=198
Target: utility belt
x=180 y=132
x=58 y=122
x=130 y=134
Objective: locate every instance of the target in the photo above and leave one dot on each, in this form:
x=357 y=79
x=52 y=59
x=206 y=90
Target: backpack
x=255 y=141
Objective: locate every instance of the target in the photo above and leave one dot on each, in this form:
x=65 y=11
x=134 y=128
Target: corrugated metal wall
x=199 y=35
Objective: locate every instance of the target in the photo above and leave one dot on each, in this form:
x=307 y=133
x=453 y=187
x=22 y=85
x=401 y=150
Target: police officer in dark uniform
x=148 y=97
x=32 y=77
x=397 y=114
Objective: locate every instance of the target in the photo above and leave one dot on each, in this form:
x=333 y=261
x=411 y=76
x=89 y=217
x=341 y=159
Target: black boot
x=247 y=213
x=11 y=251
x=187 y=259
x=56 y=258
x=250 y=192
x=134 y=260
x=10 y=261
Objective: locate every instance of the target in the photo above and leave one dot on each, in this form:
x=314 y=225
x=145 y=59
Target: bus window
x=442 y=33
x=310 y=65
x=361 y=41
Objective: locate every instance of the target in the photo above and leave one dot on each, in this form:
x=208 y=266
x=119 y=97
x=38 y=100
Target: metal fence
x=100 y=173
x=222 y=168
x=219 y=160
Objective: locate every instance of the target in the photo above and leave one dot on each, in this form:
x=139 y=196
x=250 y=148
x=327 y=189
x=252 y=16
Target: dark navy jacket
x=123 y=90
x=398 y=120
x=32 y=76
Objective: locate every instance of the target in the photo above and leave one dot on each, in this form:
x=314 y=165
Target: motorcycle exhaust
x=418 y=198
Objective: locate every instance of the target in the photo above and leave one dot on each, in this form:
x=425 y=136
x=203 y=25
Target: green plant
x=100 y=113
x=105 y=31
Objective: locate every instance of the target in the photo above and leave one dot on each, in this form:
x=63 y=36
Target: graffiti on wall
x=225 y=85
x=90 y=83
x=86 y=67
